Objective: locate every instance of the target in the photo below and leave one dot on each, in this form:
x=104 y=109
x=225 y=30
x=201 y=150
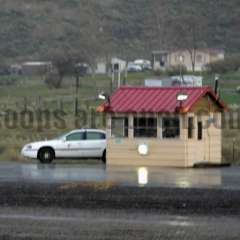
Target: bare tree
x=188 y=32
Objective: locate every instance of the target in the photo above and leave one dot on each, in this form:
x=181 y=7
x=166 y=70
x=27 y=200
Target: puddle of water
x=128 y=175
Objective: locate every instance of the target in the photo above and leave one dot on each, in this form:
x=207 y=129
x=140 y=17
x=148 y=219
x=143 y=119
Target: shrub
x=2 y=149
x=53 y=79
x=159 y=72
x=8 y=80
x=176 y=70
x=238 y=89
x=229 y=64
x=13 y=153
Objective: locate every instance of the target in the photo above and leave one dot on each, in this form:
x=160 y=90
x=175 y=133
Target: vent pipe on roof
x=216 y=85
x=105 y=97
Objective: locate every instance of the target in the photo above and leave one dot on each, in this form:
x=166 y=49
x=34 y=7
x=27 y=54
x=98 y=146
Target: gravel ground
x=108 y=196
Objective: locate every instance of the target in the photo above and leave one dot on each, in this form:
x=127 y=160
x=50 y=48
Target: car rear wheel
x=46 y=155
x=104 y=157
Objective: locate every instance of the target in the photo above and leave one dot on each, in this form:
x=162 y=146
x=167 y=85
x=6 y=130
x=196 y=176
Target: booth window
x=171 y=127
x=200 y=130
x=119 y=127
x=145 y=127
x=190 y=127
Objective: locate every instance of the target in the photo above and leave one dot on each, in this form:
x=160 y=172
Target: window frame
x=190 y=127
x=125 y=129
x=164 y=118
x=199 y=58
x=145 y=128
x=200 y=131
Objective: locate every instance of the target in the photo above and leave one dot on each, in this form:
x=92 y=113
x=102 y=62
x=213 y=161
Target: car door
x=75 y=144
x=95 y=143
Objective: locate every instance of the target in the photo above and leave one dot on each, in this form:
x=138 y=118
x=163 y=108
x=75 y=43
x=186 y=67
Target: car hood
x=46 y=143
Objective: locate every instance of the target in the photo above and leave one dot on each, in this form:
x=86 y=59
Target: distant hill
x=33 y=29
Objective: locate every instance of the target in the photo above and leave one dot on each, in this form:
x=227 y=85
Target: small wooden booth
x=163 y=126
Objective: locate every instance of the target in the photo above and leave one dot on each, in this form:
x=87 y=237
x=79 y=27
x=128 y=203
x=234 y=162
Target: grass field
x=32 y=93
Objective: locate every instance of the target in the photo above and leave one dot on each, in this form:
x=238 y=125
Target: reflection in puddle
x=127 y=176
x=62 y=173
x=168 y=177
x=183 y=184
x=142 y=176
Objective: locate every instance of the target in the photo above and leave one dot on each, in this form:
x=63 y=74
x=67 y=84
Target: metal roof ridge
x=167 y=87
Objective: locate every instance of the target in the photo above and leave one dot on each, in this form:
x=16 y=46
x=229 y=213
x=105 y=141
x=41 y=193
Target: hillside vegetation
x=33 y=29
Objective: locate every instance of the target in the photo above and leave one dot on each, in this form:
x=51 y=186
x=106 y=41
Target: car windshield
x=61 y=136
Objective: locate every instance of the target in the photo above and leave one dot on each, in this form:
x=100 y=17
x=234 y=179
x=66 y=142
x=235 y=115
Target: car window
x=75 y=136
x=95 y=136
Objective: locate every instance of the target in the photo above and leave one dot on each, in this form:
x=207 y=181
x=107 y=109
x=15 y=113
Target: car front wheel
x=46 y=155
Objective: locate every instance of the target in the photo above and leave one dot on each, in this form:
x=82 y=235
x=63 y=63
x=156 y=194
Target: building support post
x=130 y=126
x=159 y=127
x=109 y=125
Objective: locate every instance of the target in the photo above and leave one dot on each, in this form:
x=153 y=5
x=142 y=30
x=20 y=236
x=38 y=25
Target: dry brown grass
x=105 y=185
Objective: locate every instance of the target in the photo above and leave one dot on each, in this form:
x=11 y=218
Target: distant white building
x=121 y=63
x=165 y=59
x=103 y=66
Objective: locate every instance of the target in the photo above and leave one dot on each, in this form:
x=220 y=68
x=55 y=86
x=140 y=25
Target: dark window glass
x=171 y=127
x=145 y=127
x=200 y=131
x=119 y=127
x=75 y=136
x=95 y=136
x=190 y=127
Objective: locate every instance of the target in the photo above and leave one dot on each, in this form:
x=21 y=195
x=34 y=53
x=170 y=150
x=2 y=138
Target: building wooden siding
x=209 y=149
x=125 y=152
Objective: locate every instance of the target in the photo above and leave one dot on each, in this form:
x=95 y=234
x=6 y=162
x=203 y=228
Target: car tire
x=46 y=155
x=104 y=157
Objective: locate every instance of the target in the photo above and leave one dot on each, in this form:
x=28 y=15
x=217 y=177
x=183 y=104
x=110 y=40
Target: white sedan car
x=83 y=143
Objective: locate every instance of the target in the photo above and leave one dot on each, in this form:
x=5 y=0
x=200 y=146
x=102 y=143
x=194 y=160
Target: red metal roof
x=155 y=99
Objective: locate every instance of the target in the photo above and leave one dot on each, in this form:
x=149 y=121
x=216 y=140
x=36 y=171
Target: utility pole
x=116 y=70
x=76 y=91
x=112 y=80
x=181 y=59
x=80 y=71
x=125 y=74
x=233 y=150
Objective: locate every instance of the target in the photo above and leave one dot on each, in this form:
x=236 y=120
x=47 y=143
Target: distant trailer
x=36 y=67
x=153 y=83
x=187 y=80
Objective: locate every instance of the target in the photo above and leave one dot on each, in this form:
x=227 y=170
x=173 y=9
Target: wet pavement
x=48 y=223
x=220 y=178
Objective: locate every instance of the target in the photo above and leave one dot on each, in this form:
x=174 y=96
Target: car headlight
x=28 y=147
